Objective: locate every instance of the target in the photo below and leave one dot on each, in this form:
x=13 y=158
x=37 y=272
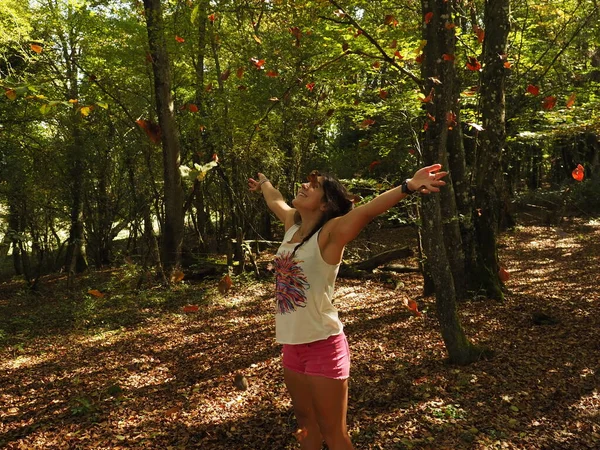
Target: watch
x=405 y=189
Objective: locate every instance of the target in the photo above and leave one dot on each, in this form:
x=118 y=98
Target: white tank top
x=304 y=293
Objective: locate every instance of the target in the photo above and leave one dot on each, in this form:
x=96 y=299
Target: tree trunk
x=172 y=237
x=488 y=189
x=435 y=235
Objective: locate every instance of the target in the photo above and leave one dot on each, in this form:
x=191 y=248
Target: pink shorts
x=328 y=358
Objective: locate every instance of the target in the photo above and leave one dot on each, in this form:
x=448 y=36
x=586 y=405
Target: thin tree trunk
x=172 y=237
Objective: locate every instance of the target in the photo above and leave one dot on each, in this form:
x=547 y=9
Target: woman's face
x=310 y=195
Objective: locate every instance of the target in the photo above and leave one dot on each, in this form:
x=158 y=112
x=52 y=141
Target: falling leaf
x=215 y=158
x=85 y=110
x=149 y=58
x=376 y=65
x=450 y=119
x=240 y=73
x=571 y=101
x=373 y=165
x=151 y=129
x=192 y=108
x=177 y=276
x=103 y=105
x=272 y=73
x=358 y=33
x=428 y=17
x=448 y=57
x=225 y=75
x=190 y=308
x=36 y=48
x=366 y=123
x=310 y=86
x=473 y=64
x=73 y=101
x=257 y=39
x=383 y=94
x=450 y=25
x=411 y=151
x=480 y=33
x=11 y=94
x=241 y=87
x=394 y=43
x=258 y=63
x=96 y=293
x=503 y=274
x=429 y=97
x=426 y=126
x=549 y=102
x=208 y=87
x=413 y=307
x=274 y=99
x=533 y=90
x=507 y=65
x=398 y=55
x=339 y=13
x=345 y=46
x=225 y=284
x=578 y=172
x=435 y=80
x=212 y=17
x=390 y=20
x=179 y=39
x=419 y=59
x=172 y=411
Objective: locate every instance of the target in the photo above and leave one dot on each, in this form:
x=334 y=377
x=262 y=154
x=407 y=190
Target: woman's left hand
x=427 y=180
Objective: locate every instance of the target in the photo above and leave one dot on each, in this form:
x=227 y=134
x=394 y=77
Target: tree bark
x=488 y=188
x=172 y=237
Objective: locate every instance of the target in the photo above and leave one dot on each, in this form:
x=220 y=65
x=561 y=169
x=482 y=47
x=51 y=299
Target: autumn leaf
x=208 y=87
x=578 y=173
x=429 y=97
x=149 y=58
x=571 y=101
x=258 y=63
x=345 y=46
x=428 y=17
x=177 y=276
x=419 y=59
x=412 y=151
x=85 y=110
x=192 y=108
x=36 y=48
x=533 y=90
x=11 y=94
x=310 y=86
x=151 y=129
x=412 y=306
x=366 y=123
x=339 y=13
x=448 y=57
x=450 y=25
x=393 y=44
x=358 y=33
x=398 y=55
x=225 y=75
x=480 y=33
x=190 y=308
x=451 y=119
x=373 y=165
x=212 y=17
x=179 y=39
x=390 y=20
x=503 y=274
x=273 y=99
x=96 y=293
x=240 y=73
x=383 y=94
x=549 y=102
x=435 y=80
x=473 y=64
x=225 y=284
x=376 y=65
x=507 y=65
x=73 y=101
x=272 y=73
x=257 y=39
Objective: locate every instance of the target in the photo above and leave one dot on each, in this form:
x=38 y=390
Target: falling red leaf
x=208 y=87
x=179 y=39
x=190 y=308
x=398 y=55
x=215 y=157
x=448 y=57
x=451 y=119
x=480 y=33
x=571 y=101
x=549 y=102
x=428 y=17
x=411 y=151
x=36 y=48
x=225 y=284
x=533 y=90
x=390 y=20
x=366 y=123
x=412 y=306
x=11 y=94
x=394 y=43
x=358 y=33
x=429 y=97
x=225 y=75
x=426 y=126
x=152 y=130
x=473 y=64
x=507 y=65
x=212 y=17
x=373 y=164
x=96 y=293
x=450 y=25
x=310 y=86
x=192 y=108
x=376 y=65
x=383 y=94
x=272 y=73
x=258 y=63
x=503 y=274
x=419 y=59
x=578 y=172
x=240 y=73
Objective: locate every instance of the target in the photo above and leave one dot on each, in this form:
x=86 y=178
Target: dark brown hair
x=338 y=201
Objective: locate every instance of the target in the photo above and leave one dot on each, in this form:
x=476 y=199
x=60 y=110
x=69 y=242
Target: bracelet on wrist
x=405 y=189
x=261 y=182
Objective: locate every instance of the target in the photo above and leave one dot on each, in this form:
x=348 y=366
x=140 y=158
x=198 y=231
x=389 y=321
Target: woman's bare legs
x=320 y=405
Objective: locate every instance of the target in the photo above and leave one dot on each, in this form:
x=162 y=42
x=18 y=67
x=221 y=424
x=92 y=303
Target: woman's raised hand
x=427 y=179
x=254 y=185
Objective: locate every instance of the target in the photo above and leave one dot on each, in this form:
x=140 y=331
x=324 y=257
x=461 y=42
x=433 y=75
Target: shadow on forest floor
x=132 y=370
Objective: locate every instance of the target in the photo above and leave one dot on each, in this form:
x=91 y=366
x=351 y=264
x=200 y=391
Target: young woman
x=316 y=357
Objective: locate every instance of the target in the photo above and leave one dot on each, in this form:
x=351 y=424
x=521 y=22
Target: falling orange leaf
x=258 y=63
x=394 y=43
x=310 y=86
x=419 y=59
x=571 y=101
x=533 y=90
x=450 y=25
x=398 y=55
x=190 y=308
x=429 y=97
x=373 y=164
x=272 y=73
x=36 y=48
x=192 y=108
x=225 y=75
x=179 y=39
x=473 y=64
x=177 y=276
x=578 y=172
x=11 y=94
x=503 y=274
x=480 y=33
x=412 y=305
x=366 y=123
x=507 y=65
x=448 y=57
x=383 y=94
x=212 y=17
x=151 y=129
x=96 y=293
x=549 y=102
x=225 y=284
x=428 y=17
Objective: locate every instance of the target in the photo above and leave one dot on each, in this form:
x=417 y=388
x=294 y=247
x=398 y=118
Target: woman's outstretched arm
x=272 y=197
